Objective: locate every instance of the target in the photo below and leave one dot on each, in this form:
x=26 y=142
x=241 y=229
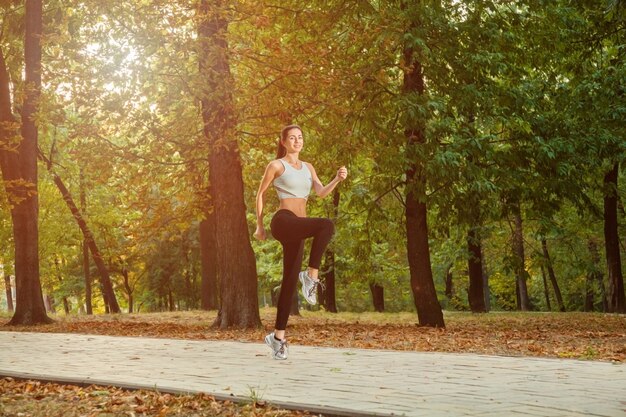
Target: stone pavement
x=349 y=382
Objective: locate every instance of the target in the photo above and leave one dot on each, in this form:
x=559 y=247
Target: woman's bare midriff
x=295 y=205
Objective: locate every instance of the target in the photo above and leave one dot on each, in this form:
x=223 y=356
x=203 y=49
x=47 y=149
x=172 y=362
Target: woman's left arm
x=323 y=190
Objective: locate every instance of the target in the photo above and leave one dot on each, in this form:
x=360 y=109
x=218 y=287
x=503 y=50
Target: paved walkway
x=351 y=382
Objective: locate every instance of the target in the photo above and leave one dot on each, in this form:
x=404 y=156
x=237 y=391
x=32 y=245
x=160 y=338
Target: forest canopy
x=485 y=142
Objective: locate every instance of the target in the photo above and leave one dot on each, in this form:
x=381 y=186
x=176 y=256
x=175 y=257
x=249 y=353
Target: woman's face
x=293 y=142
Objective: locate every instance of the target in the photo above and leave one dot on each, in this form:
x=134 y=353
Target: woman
x=293 y=180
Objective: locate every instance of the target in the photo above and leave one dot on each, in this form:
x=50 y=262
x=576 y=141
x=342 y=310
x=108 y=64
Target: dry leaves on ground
x=592 y=336
x=37 y=399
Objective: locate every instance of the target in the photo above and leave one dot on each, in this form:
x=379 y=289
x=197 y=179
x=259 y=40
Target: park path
x=350 y=382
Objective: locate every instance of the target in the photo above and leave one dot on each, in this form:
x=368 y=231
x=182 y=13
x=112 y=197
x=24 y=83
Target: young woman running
x=293 y=180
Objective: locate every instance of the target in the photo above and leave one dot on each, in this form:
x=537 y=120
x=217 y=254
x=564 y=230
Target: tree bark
x=170 y=300
x=589 y=293
x=551 y=274
x=449 y=283
x=546 y=292
x=19 y=172
x=49 y=303
x=328 y=298
x=486 y=292
x=88 y=280
x=476 y=295
x=129 y=289
x=616 y=300
x=378 y=297
x=105 y=279
x=86 y=269
x=208 y=261
x=9 y=292
x=520 y=260
x=418 y=251
x=66 y=304
x=595 y=272
x=187 y=273
x=104 y=297
x=236 y=264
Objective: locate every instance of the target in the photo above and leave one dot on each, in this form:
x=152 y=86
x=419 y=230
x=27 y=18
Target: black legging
x=291 y=230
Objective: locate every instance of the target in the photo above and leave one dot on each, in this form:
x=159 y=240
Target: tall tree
x=595 y=278
x=519 y=259
x=552 y=275
x=327 y=294
x=546 y=292
x=19 y=171
x=378 y=296
x=108 y=293
x=86 y=269
x=616 y=301
x=238 y=280
x=476 y=294
x=418 y=250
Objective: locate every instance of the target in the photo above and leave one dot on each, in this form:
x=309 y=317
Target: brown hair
x=281 y=151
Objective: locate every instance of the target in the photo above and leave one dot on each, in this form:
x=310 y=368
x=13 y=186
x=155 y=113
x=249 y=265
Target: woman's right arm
x=268 y=177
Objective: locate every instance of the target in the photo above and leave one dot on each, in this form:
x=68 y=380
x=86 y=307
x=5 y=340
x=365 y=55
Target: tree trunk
x=378 y=297
x=546 y=292
x=553 y=281
x=595 y=271
x=519 y=259
x=49 y=303
x=128 y=288
x=105 y=279
x=486 y=293
x=7 y=283
x=616 y=300
x=208 y=260
x=88 y=281
x=19 y=172
x=66 y=304
x=170 y=299
x=106 y=302
x=187 y=274
x=475 y=294
x=589 y=293
x=418 y=251
x=328 y=299
x=449 y=283
x=236 y=264
x=448 y=277
x=86 y=269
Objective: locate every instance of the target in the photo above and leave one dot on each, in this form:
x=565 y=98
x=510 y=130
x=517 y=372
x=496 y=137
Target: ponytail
x=281 y=150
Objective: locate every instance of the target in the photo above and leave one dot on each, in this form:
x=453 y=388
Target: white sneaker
x=309 y=287
x=279 y=348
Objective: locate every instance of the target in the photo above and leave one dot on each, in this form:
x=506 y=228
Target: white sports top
x=293 y=183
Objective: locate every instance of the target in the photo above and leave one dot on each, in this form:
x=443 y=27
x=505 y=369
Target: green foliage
x=523 y=100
